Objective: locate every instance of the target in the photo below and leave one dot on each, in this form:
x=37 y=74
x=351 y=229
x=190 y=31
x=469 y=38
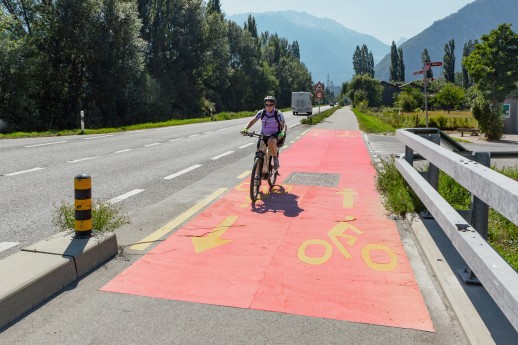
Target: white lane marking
x=45 y=144
x=7 y=245
x=82 y=159
x=99 y=137
x=126 y=195
x=122 y=151
x=23 y=172
x=193 y=135
x=196 y=166
x=222 y=129
x=294 y=125
x=249 y=144
x=207 y=132
x=154 y=144
x=222 y=155
x=304 y=133
x=176 y=139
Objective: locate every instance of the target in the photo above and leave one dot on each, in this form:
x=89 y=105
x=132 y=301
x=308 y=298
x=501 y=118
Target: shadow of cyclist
x=277 y=199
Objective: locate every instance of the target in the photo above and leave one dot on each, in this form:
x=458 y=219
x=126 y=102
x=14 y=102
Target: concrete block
x=27 y=279
x=88 y=253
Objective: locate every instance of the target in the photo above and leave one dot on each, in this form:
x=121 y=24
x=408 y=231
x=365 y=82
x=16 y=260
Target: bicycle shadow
x=277 y=199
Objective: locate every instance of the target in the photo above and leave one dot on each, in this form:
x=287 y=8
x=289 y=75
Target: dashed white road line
x=99 y=137
x=122 y=151
x=176 y=139
x=222 y=155
x=154 y=144
x=82 y=159
x=7 y=245
x=193 y=135
x=249 y=144
x=46 y=144
x=23 y=172
x=126 y=195
x=196 y=166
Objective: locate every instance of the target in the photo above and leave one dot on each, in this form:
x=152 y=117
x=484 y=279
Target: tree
x=214 y=6
x=365 y=88
x=492 y=64
x=467 y=80
x=449 y=61
x=401 y=65
x=450 y=97
x=394 y=63
x=425 y=58
x=363 y=61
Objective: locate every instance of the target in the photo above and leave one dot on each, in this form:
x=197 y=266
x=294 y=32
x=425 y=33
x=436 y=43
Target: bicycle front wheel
x=255 y=179
x=272 y=175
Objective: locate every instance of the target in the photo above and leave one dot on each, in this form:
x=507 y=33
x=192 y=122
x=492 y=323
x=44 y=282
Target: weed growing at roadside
x=106 y=217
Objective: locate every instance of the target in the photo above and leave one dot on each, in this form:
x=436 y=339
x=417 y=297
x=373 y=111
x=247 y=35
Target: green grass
x=106 y=217
x=370 y=123
x=317 y=118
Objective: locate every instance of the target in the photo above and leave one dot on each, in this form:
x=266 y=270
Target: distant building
x=511 y=115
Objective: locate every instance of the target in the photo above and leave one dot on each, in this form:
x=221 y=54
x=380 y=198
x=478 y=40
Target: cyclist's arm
x=251 y=123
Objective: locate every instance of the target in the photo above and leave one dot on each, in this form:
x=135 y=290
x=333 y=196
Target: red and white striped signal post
x=425 y=68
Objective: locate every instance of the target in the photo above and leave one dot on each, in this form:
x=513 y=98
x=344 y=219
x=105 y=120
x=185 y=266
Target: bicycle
x=257 y=170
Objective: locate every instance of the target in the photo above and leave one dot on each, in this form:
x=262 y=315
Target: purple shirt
x=270 y=126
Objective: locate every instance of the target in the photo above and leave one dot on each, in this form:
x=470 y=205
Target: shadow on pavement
x=278 y=200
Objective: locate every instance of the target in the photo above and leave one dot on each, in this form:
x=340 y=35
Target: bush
x=106 y=217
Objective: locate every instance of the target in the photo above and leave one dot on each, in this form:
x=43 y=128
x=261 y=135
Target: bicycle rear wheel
x=255 y=179
x=272 y=173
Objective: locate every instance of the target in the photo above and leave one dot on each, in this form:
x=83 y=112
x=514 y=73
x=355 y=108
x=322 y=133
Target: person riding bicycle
x=273 y=126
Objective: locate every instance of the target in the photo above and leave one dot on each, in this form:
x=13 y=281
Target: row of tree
x=489 y=75
x=133 y=61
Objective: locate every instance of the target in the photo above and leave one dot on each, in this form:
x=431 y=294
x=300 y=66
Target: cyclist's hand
x=244 y=131
x=282 y=135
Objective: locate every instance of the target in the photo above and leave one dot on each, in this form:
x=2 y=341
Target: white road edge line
x=45 y=144
x=196 y=166
x=24 y=171
x=82 y=159
x=7 y=245
x=222 y=155
x=126 y=195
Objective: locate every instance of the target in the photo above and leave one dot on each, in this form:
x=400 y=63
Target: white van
x=301 y=103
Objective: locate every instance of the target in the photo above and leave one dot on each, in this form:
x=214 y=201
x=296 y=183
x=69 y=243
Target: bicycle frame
x=258 y=171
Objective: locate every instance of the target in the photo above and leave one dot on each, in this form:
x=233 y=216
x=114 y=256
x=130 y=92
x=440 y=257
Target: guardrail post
x=479 y=209
x=83 y=206
x=433 y=171
x=409 y=155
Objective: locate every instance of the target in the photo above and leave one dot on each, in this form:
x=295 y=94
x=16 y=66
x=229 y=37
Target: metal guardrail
x=491 y=187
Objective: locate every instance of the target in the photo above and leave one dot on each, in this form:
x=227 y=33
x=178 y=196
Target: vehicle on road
x=301 y=103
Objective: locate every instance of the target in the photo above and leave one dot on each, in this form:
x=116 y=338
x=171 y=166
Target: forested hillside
x=134 y=61
x=469 y=23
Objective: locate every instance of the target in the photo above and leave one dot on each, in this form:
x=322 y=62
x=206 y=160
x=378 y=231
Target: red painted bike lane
x=318 y=245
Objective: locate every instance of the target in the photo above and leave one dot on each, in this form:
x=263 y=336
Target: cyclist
x=273 y=126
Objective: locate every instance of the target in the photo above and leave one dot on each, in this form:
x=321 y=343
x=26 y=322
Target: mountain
x=326 y=46
x=469 y=23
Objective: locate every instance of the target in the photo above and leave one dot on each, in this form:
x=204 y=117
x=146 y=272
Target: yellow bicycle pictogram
x=339 y=232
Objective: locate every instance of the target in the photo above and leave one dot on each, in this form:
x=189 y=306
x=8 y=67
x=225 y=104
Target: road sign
x=418 y=72
x=436 y=64
x=427 y=66
x=319 y=94
x=319 y=86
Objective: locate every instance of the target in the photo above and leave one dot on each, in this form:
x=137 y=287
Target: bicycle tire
x=255 y=179
x=272 y=173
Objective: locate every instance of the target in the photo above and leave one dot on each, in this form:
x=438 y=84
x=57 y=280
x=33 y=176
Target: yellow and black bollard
x=83 y=205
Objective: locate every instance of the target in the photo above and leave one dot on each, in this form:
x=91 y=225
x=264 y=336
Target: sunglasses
x=269 y=104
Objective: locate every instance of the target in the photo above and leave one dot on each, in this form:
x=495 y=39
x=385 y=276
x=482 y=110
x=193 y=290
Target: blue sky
x=387 y=20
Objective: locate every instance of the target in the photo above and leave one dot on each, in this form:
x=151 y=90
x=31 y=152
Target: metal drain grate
x=313 y=179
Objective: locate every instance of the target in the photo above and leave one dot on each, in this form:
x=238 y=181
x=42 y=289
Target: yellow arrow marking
x=349 y=195
x=213 y=239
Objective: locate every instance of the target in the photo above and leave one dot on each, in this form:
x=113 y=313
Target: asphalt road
x=135 y=170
